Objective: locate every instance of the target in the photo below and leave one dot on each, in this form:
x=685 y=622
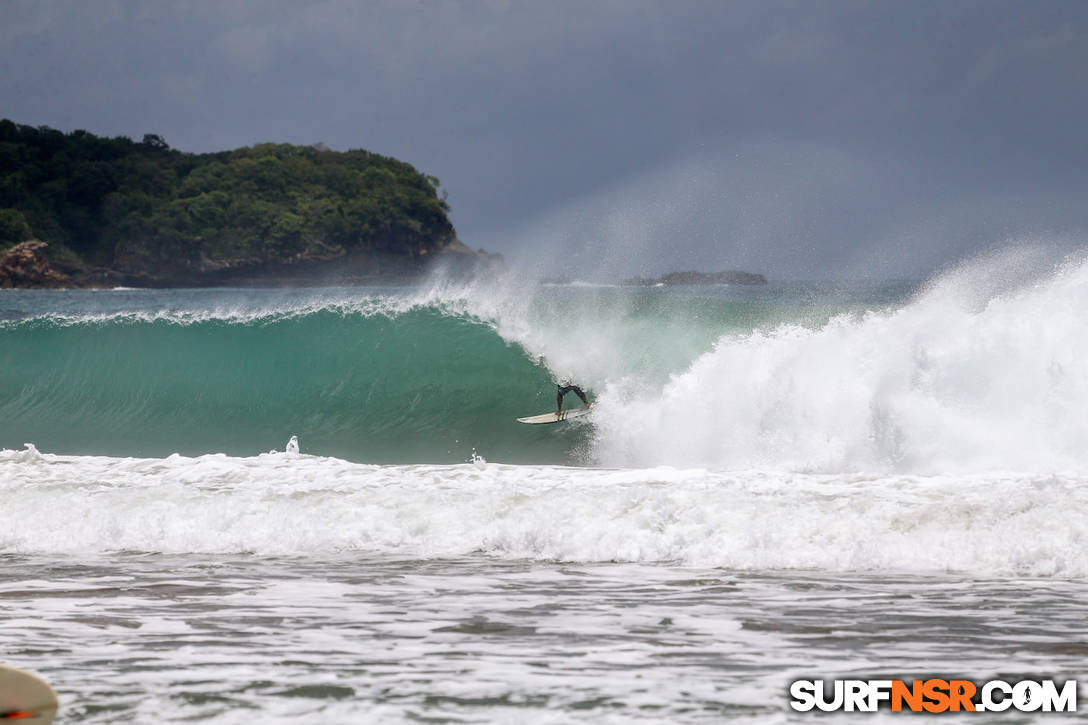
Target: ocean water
x=797 y=481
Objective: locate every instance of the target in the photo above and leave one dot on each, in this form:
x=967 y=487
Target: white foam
x=964 y=379
x=984 y=371
x=29 y=454
x=310 y=506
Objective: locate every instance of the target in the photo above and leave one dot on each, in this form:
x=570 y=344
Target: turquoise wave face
x=403 y=375
x=414 y=387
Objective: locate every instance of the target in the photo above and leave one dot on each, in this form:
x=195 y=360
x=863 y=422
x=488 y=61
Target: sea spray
x=954 y=381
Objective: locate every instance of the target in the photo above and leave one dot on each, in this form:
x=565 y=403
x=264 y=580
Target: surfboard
x=25 y=697
x=553 y=418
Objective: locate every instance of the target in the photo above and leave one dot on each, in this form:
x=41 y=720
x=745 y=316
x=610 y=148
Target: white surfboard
x=553 y=418
x=25 y=697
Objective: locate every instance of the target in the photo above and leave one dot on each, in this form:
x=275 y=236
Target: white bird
x=292 y=447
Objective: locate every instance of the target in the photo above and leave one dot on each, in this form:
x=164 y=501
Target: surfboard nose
x=25 y=697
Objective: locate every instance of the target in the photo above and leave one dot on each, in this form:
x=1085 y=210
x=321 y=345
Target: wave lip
x=239 y=314
x=275 y=505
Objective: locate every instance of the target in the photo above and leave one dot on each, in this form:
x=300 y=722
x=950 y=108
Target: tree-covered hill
x=142 y=207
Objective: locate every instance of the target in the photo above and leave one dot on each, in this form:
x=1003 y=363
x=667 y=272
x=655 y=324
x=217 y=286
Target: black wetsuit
x=563 y=390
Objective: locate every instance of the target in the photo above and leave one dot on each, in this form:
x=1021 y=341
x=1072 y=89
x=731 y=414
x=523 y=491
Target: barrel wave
x=980 y=370
x=364 y=383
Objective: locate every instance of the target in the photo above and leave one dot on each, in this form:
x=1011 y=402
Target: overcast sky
x=799 y=139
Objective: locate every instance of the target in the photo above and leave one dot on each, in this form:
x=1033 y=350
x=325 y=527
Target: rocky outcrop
x=25 y=265
x=729 y=276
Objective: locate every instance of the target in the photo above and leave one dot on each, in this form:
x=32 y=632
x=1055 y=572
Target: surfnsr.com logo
x=934 y=695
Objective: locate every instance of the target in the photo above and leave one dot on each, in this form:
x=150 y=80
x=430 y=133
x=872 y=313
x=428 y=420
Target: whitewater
x=792 y=481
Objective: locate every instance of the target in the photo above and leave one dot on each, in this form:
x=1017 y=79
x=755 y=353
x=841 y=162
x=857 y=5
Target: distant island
x=729 y=276
x=78 y=210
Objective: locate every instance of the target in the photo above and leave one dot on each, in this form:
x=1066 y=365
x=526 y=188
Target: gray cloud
x=803 y=138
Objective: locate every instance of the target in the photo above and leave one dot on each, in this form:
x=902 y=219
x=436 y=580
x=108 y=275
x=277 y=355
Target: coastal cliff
x=80 y=210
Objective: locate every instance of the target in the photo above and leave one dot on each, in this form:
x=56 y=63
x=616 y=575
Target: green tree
x=145 y=206
x=13 y=227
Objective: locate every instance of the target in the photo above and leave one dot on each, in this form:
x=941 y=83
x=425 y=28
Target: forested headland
x=115 y=210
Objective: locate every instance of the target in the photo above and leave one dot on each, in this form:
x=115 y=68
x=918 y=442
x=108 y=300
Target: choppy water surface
x=139 y=638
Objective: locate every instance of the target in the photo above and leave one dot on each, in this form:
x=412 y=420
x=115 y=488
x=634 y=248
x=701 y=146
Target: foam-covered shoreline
x=996 y=524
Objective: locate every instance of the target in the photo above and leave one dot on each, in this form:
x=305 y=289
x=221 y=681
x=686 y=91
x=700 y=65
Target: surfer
x=566 y=386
